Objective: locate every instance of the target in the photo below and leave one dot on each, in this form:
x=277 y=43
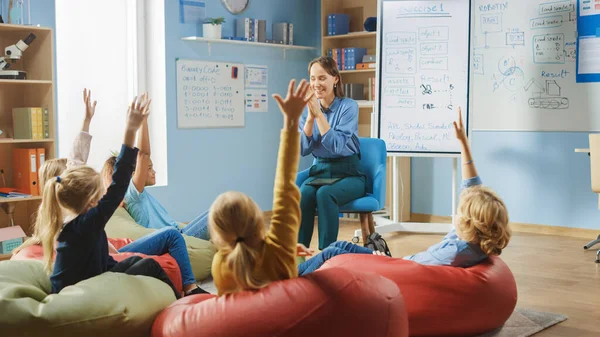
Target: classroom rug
x=522 y=322
x=525 y=323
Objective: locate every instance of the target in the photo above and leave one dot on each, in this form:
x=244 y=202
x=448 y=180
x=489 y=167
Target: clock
x=235 y=6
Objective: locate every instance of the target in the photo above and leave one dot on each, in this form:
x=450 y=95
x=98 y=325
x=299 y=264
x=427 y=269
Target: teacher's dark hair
x=331 y=68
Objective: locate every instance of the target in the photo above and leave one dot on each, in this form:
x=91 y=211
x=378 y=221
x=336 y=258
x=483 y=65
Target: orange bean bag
x=334 y=302
x=444 y=301
x=166 y=261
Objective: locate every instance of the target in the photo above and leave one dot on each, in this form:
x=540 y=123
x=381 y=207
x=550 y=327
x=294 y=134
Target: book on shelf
x=347 y=58
x=338 y=24
x=371 y=89
x=31 y=123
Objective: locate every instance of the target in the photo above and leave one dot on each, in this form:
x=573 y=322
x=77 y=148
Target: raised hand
x=90 y=108
x=459 y=129
x=138 y=111
x=295 y=101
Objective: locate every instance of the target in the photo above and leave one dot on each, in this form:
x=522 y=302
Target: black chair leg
x=592 y=243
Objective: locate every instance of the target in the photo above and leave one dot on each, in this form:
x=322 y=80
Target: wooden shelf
x=250 y=43
x=5 y=27
x=38 y=90
x=9 y=200
x=4 y=257
x=21 y=141
x=4 y=81
x=357 y=35
x=357 y=71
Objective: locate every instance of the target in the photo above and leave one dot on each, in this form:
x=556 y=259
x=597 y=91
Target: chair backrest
x=595 y=161
x=373 y=159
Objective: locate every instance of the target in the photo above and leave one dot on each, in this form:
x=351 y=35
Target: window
x=105 y=45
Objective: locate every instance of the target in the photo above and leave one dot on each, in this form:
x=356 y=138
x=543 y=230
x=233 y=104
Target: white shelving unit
x=208 y=41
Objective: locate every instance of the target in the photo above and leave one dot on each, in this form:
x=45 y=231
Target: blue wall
x=538 y=174
x=206 y=162
x=42 y=13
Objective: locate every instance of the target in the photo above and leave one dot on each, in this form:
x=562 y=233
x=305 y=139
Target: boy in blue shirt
x=480 y=227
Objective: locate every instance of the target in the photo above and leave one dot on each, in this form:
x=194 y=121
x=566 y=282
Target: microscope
x=13 y=53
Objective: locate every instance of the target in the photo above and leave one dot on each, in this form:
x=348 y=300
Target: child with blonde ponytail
x=157 y=243
x=248 y=256
x=73 y=214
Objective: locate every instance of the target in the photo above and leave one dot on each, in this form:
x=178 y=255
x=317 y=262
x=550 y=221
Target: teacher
x=330 y=133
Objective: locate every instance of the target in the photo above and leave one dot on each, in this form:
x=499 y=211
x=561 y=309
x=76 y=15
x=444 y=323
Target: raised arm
x=336 y=139
x=143 y=159
x=285 y=223
x=81 y=145
x=99 y=215
x=468 y=167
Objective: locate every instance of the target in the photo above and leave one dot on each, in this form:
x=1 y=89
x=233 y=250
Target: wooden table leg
x=364 y=226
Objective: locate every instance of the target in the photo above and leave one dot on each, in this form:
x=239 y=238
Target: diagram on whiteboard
x=424 y=74
x=546 y=97
x=523 y=61
x=509 y=76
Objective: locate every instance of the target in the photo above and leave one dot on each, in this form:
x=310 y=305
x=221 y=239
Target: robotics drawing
x=546 y=97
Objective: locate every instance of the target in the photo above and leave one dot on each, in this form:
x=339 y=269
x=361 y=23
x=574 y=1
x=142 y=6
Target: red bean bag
x=169 y=264
x=444 y=301
x=334 y=302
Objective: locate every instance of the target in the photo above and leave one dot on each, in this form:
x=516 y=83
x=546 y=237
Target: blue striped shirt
x=342 y=139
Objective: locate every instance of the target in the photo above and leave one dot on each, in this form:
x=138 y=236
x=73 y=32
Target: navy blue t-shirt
x=82 y=250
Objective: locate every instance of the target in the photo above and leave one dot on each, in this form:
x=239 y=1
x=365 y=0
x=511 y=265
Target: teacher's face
x=321 y=82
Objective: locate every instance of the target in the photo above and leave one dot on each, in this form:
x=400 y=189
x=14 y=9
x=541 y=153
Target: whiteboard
x=523 y=65
x=210 y=94
x=422 y=74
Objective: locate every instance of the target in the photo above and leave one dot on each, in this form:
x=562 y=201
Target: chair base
x=384 y=225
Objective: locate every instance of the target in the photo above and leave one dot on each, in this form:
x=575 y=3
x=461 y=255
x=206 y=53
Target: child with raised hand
x=480 y=225
x=248 y=256
x=160 y=242
x=56 y=166
x=166 y=239
x=73 y=214
x=141 y=205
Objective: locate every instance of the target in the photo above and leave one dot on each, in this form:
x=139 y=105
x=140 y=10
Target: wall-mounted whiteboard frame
x=377 y=129
x=208 y=115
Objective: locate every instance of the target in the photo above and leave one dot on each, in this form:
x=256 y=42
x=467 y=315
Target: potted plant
x=211 y=29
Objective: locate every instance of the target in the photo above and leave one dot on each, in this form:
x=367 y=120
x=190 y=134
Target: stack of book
x=7 y=192
x=347 y=58
x=254 y=30
x=31 y=123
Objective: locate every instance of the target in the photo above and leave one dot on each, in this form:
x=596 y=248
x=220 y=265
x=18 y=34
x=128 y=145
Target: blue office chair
x=373 y=165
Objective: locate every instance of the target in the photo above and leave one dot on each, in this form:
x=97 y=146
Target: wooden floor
x=553 y=274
